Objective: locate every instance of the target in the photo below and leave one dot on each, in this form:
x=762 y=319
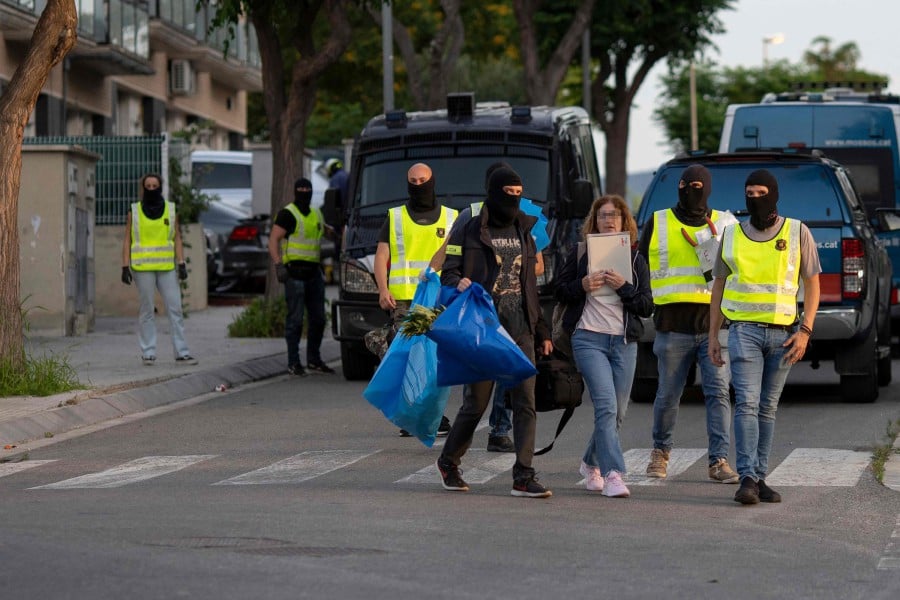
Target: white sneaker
x=615 y=487
x=592 y=478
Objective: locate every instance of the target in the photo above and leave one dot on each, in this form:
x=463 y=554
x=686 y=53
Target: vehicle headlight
x=356 y=279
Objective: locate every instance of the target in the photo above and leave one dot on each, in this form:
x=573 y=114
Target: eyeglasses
x=614 y=214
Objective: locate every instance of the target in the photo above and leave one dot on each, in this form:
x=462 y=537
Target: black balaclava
x=152 y=203
x=692 y=208
x=490 y=171
x=302 y=199
x=421 y=196
x=502 y=207
x=763 y=210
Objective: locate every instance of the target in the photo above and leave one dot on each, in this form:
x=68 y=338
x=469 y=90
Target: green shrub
x=261 y=318
x=43 y=376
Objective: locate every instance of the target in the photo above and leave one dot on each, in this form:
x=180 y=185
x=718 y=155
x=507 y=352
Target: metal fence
x=124 y=160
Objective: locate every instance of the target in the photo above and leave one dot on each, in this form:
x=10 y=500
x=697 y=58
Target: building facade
x=139 y=67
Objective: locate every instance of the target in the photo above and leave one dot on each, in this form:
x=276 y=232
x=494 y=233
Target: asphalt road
x=297 y=488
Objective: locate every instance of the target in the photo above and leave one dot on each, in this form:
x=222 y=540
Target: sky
x=871 y=24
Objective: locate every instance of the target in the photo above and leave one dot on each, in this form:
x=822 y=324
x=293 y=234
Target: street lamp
x=774 y=39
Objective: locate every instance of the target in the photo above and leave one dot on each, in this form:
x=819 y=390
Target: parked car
x=237 y=254
x=852 y=326
x=237 y=250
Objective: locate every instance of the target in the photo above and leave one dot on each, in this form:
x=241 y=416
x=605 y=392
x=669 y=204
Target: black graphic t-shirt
x=507 y=292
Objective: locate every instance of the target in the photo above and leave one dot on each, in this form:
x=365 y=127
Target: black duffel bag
x=557 y=386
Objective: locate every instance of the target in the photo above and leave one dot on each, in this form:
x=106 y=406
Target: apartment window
x=129 y=27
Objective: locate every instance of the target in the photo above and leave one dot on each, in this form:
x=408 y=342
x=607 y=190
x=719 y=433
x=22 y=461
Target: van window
x=458 y=172
x=216 y=175
x=804 y=191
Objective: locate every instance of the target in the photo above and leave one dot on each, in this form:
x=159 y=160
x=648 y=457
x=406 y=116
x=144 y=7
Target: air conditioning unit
x=181 y=78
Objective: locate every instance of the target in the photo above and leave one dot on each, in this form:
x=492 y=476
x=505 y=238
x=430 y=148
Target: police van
x=552 y=148
x=857 y=127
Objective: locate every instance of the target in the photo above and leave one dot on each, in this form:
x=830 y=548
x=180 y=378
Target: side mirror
x=888 y=219
x=579 y=204
x=331 y=208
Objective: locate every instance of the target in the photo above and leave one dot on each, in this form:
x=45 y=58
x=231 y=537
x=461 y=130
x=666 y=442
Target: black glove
x=182 y=271
x=281 y=272
x=126 y=275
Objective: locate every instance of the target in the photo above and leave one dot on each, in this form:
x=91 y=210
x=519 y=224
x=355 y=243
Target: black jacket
x=636 y=298
x=478 y=262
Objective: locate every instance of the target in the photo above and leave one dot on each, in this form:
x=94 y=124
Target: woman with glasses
x=603 y=339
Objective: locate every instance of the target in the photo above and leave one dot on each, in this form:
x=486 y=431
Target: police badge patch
x=440 y=232
x=781 y=245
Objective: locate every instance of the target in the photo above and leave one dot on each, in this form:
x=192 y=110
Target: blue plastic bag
x=404 y=388
x=539 y=229
x=473 y=346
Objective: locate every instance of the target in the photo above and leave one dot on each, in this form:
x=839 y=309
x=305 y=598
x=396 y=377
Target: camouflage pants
x=378 y=340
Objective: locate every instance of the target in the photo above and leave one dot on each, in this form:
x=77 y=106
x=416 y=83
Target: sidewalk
x=108 y=362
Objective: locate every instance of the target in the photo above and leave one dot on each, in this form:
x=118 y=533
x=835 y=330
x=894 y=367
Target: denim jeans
x=758 y=373
x=311 y=295
x=167 y=283
x=607 y=364
x=475 y=400
x=675 y=353
x=501 y=417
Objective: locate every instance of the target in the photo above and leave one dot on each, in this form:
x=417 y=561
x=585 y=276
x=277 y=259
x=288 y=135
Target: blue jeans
x=167 y=283
x=675 y=353
x=310 y=294
x=758 y=373
x=501 y=417
x=607 y=364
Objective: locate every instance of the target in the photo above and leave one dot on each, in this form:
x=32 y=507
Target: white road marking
x=820 y=467
x=134 y=471
x=299 y=468
x=16 y=467
x=890 y=558
x=477 y=467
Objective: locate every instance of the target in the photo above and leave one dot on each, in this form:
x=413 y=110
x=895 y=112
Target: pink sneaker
x=592 y=478
x=615 y=487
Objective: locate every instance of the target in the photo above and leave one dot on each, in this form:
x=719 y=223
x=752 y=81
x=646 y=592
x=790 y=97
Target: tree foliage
x=627 y=42
x=718 y=86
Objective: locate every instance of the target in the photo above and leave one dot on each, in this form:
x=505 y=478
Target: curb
x=892 y=467
x=97 y=409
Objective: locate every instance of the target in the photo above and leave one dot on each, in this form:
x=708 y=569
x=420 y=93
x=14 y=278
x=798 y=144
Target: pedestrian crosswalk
x=801 y=467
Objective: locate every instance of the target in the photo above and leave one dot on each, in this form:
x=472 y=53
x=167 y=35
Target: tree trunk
x=616 y=151
x=542 y=85
x=288 y=113
x=53 y=37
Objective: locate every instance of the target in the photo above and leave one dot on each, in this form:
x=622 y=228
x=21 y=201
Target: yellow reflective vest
x=305 y=242
x=765 y=276
x=412 y=246
x=153 y=240
x=675 y=271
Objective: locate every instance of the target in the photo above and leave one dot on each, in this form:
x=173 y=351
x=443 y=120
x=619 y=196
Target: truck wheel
x=857 y=365
x=859 y=388
x=646 y=376
x=884 y=362
x=357 y=362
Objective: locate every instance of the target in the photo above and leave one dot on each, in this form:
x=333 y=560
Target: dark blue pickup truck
x=853 y=325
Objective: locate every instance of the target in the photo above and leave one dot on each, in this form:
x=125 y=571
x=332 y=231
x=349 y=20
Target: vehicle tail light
x=894 y=296
x=244 y=233
x=853 y=268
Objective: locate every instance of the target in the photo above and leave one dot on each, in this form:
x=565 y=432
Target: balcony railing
x=196 y=21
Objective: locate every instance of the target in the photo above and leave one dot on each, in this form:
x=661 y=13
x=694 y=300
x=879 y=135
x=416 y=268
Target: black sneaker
x=148 y=360
x=320 y=367
x=187 y=359
x=748 y=493
x=405 y=433
x=529 y=488
x=297 y=370
x=767 y=494
x=500 y=443
x=444 y=427
x=451 y=477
